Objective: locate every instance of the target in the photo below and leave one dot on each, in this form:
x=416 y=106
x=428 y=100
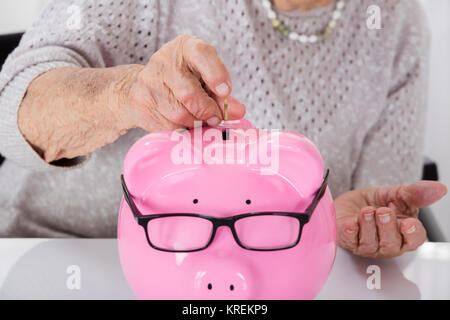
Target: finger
x=150 y=121
x=348 y=233
x=368 y=238
x=202 y=58
x=174 y=111
x=390 y=239
x=170 y=91
x=422 y=193
x=188 y=91
x=413 y=232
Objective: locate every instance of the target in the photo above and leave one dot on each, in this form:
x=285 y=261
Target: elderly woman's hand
x=184 y=81
x=70 y=112
x=381 y=222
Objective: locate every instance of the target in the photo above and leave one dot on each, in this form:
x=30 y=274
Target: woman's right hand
x=183 y=82
x=70 y=112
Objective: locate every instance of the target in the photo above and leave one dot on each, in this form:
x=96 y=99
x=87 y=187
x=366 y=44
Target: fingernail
x=368 y=217
x=223 y=89
x=411 y=230
x=213 y=121
x=384 y=218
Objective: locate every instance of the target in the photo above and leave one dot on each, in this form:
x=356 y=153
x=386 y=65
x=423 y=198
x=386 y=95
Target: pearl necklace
x=303 y=38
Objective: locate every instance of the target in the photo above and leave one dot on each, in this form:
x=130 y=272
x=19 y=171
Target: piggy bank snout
x=223 y=279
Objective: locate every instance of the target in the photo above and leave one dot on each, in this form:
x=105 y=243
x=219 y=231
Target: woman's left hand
x=381 y=222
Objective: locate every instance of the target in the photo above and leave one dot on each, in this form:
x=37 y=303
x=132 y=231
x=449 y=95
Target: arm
x=106 y=102
x=93 y=120
x=26 y=77
x=379 y=217
x=71 y=104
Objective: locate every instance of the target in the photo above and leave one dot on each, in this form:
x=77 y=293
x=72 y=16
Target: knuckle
x=368 y=247
x=201 y=112
x=142 y=77
x=202 y=47
x=182 y=39
x=187 y=96
x=347 y=244
x=138 y=97
x=134 y=96
x=389 y=247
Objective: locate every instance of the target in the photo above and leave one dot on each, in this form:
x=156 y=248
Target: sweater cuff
x=13 y=144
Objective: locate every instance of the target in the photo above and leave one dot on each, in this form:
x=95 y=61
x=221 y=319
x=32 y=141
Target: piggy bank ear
x=147 y=160
x=299 y=162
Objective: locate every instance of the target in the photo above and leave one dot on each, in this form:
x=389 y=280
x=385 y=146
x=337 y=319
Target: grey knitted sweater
x=360 y=95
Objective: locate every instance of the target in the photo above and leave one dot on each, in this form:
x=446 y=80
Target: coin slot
x=225 y=134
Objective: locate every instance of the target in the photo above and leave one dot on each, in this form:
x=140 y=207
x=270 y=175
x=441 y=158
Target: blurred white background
x=17 y=15
x=438 y=125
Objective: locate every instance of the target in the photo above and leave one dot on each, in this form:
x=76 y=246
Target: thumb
x=423 y=193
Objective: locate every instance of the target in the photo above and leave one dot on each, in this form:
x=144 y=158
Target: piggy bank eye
x=248 y=201
x=195 y=201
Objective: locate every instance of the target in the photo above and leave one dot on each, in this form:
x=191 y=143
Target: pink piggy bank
x=232 y=212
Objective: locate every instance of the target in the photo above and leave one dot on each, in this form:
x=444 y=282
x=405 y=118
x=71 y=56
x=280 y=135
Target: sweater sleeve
x=393 y=150
x=68 y=33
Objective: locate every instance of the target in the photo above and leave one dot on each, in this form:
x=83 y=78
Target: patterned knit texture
x=360 y=95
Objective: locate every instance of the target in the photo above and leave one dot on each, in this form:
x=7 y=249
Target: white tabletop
x=41 y=269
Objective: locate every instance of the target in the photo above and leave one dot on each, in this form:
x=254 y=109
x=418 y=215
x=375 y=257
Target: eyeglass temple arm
x=319 y=194
x=128 y=198
x=310 y=209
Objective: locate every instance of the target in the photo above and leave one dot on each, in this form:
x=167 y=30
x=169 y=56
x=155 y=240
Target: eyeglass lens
x=184 y=233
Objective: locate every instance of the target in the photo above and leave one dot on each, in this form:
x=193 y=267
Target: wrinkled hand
x=183 y=82
x=381 y=222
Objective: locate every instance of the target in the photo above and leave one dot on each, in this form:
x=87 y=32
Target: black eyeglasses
x=258 y=231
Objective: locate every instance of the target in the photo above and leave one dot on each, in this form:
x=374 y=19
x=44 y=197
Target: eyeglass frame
x=302 y=217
